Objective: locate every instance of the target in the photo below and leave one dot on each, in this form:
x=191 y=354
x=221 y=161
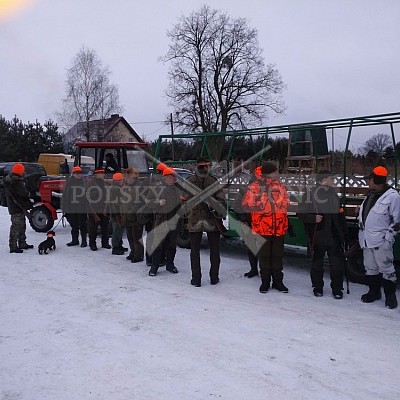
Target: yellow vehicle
x=62 y=164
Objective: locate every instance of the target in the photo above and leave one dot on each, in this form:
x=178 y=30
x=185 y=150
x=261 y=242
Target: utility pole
x=333 y=149
x=172 y=134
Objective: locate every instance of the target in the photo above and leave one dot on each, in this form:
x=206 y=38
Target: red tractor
x=126 y=154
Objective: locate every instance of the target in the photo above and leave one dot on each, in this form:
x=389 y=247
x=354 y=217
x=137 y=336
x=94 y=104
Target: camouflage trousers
x=17 y=231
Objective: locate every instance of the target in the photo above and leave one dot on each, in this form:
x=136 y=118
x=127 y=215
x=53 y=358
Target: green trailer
x=307 y=154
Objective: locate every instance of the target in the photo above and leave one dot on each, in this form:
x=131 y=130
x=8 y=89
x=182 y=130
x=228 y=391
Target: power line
x=149 y=122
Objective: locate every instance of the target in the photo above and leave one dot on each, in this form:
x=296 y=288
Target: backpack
x=3 y=198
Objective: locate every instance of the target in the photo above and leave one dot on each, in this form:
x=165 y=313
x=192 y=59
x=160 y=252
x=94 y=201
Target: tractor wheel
x=41 y=219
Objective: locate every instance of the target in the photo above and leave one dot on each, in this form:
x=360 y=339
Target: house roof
x=105 y=126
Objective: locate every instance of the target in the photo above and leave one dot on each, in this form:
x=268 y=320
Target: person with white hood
x=379 y=222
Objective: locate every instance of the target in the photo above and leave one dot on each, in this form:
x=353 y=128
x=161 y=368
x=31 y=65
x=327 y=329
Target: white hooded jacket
x=380 y=220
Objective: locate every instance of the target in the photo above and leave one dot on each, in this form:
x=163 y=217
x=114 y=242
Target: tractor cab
x=125 y=154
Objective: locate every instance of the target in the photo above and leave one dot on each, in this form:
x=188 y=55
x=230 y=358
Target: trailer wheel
x=41 y=219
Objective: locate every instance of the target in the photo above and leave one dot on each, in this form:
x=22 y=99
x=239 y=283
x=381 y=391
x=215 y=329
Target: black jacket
x=323 y=200
x=17 y=194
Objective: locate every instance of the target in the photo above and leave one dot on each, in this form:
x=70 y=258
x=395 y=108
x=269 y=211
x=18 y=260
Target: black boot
x=172 y=269
x=277 y=282
x=74 y=241
x=265 y=281
x=18 y=251
x=251 y=273
x=117 y=251
x=253 y=260
x=389 y=288
x=374 y=293
x=153 y=271
x=264 y=286
x=25 y=246
x=84 y=241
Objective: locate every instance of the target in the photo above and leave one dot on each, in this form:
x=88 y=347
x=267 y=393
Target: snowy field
x=77 y=325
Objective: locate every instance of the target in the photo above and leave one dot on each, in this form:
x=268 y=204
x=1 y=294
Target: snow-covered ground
x=77 y=325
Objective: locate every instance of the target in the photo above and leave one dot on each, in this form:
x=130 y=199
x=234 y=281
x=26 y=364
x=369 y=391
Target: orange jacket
x=267 y=201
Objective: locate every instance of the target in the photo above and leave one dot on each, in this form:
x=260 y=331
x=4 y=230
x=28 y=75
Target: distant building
x=113 y=129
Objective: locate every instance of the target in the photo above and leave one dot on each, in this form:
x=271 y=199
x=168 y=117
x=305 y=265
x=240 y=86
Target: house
x=113 y=129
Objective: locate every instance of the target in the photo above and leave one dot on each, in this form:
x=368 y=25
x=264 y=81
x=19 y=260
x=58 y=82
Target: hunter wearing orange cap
x=18 y=204
x=245 y=225
x=116 y=214
x=73 y=205
x=267 y=201
x=134 y=201
x=165 y=234
x=96 y=196
x=379 y=221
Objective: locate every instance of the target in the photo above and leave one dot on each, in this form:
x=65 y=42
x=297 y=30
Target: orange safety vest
x=267 y=200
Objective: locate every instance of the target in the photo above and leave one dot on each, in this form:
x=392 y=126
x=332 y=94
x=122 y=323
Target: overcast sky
x=339 y=58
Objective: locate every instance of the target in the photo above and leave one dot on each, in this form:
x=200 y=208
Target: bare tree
x=89 y=93
x=377 y=144
x=218 y=79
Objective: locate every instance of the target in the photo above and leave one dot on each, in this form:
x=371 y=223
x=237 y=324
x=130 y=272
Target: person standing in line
x=245 y=227
x=134 y=229
x=379 y=222
x=96 y=195
x=74 y=208
x=147 y=218
x=321 y=213
x=267 y=201
x=18 y=203
x=202 y=218
x=115 y=212
x=165 y=231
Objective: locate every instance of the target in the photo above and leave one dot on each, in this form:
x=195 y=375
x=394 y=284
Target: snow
x=76 y=324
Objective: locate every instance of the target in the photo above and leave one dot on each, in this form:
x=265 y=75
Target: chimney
x=114 y=115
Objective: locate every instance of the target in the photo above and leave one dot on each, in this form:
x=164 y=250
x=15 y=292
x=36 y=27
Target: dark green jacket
x=200 y=216
x=16 y=193
x=73 y=199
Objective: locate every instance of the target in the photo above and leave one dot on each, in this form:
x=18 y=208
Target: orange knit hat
x=168 y=171
x=161 y=167
x=76 y=169
x=18 y=169
x=380 y=171
x=118 y=176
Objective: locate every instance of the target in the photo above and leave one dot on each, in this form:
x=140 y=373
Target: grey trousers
x=380 y=260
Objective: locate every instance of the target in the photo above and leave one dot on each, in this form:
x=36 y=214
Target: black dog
x=48 y=244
